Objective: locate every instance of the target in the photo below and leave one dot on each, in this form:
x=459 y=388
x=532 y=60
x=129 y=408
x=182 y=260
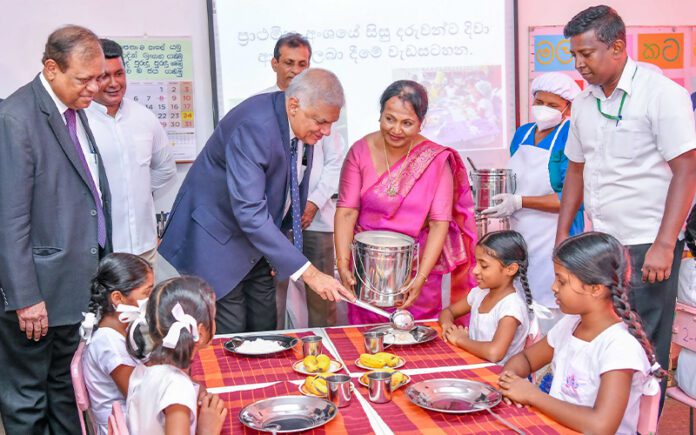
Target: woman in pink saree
x=397 y=180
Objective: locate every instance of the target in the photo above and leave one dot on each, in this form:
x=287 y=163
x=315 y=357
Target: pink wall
x=558 y=12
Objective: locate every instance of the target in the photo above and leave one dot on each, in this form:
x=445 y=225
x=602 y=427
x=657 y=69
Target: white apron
x=530 y=164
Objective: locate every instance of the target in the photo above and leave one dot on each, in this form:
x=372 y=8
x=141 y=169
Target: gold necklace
x=391 y=184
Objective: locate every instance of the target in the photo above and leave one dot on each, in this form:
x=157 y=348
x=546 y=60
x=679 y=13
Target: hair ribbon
x=129 y=313
x=183 y=320
x=87 y=327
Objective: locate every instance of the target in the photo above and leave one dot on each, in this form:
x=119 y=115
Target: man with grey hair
x=243 y=193
x=56 y=227
x=299 y=305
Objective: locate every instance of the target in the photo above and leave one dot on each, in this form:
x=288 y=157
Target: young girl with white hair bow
x=119 y=292
x=162 y=399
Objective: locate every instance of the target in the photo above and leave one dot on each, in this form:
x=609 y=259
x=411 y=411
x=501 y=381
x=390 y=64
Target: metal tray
x=420 y=333
x=286 y=414
x=286 y=341
x=453 y=396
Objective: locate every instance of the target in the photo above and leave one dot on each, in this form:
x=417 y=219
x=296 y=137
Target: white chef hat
x=556 y=83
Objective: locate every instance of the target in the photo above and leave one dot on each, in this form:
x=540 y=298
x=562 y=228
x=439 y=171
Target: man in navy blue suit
x=245 y=192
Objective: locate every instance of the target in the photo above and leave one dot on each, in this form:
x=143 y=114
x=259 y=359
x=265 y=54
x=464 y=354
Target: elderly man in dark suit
x=54 y=208
x=247 y=188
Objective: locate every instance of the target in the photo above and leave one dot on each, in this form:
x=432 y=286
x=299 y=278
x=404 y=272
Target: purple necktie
x=72 y=130
x=296 y=213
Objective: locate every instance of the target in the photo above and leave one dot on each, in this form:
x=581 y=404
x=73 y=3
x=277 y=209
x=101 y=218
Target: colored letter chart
x=160 y=77
x=671 y=50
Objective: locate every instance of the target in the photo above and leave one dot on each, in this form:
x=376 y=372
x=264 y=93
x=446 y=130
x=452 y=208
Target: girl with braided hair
x=123 y=283
x=500 y=318
x=602 y=359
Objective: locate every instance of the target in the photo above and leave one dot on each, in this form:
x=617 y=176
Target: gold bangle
x=422 y=275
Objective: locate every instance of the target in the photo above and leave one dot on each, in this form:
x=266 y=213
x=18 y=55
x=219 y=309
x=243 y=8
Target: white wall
x=26 y=24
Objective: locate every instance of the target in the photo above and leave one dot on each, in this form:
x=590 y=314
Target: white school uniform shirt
x=153 y=389
x=578 y=364
x=105 y=351
x=626 y=174
x=482 y=326
x=138 y=160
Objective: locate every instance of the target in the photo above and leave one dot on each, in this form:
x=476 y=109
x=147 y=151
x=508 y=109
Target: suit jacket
x=228 y=213
x=48 y=245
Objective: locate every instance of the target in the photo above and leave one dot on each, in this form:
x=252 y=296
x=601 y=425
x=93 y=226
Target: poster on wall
x=671 y=50
x=160 y=77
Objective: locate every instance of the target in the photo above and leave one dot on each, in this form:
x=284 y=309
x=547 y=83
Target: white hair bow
x=129 y=313
x=183 y=320
x=87 y=326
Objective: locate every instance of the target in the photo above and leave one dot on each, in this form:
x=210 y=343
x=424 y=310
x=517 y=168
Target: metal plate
x=286 y=341
x=453 y=396
x=419 y=334
x=299 y=367
x=287 y=414
x=400 y=364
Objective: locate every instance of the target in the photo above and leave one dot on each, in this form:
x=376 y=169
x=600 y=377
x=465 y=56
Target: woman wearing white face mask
x=538 y=160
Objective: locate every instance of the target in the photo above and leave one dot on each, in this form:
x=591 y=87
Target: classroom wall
x=26 y=24
x=553 y=13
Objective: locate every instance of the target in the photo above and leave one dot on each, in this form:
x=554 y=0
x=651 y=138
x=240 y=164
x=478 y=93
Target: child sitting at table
x=123 y=282
x=500 y=319
x=602 y=360
x=162 y=399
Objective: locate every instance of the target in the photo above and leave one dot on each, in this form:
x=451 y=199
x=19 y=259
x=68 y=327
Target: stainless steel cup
x=339 y=387
x=379 y=387
x=311 y=345
x=374 y=341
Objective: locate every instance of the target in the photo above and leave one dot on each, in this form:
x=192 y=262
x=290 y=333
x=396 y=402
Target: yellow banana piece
x=372 y=361
x=323 y=363
x=308 y=385
x=311 y=364
x=397 y=379
x=389 y=359
x=320 y=386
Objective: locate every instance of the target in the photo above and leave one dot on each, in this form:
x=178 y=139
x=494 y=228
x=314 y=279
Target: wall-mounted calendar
x=160 y=77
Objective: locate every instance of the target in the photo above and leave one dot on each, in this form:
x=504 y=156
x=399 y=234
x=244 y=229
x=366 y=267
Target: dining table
x=241 y=380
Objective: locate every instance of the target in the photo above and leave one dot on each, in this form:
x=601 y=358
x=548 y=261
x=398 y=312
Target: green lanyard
x=618 y=117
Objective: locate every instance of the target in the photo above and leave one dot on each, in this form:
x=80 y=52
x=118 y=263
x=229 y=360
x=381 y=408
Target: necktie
x=295 y=197
x=101 y=221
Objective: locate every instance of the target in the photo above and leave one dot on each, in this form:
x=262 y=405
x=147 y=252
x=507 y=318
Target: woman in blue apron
x=538 y=160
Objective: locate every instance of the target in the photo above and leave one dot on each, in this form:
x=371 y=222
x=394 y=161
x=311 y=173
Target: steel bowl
x=286 y=414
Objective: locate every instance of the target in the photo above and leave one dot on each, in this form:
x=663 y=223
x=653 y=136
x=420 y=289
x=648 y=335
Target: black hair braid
x=99 y=300
x=525 y=286
x=619 y=297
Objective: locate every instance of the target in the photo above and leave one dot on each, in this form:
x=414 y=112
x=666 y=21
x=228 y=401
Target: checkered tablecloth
x=403 y=417
x=216 y=367
x=350 y=420
x=437 y=353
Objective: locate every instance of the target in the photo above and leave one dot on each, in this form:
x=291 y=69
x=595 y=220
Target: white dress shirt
x=626 y=174
x=90 y=156
x=138 y=160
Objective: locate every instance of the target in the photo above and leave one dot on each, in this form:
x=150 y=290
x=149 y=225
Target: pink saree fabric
x=418 y=199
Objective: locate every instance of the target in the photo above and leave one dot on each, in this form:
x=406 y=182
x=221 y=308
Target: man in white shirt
x=137 y=157
x=631 y=148
x=292 y=55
